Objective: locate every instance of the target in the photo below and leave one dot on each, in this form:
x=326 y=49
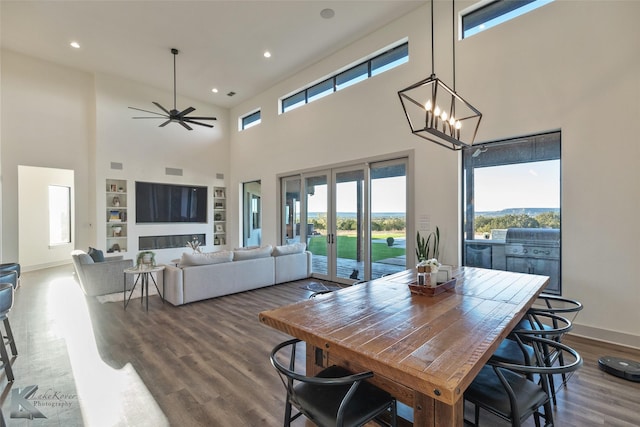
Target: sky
x=526 y=185
x=387 y=195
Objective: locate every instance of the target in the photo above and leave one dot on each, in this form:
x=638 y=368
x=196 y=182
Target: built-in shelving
x=219 y=216
x=117 y=215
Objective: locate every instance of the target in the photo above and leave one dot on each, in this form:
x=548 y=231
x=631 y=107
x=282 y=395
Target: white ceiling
x=221 y=43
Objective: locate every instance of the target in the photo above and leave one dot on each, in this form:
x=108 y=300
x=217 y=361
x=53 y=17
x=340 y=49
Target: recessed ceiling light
x=214 y=90
x=267 y=54
x=327 y=13
x=75 y=45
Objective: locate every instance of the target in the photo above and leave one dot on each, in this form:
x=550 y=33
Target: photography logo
x=21 y=407
x=27 y=404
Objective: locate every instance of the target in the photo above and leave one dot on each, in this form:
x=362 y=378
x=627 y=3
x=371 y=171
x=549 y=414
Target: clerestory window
x=362 y=70
x=250 y=120
x=485 y=14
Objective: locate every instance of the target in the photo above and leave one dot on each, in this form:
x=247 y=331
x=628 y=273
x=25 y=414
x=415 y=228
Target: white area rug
x=119 y=297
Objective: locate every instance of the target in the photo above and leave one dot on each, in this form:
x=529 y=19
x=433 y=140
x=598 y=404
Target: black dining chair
x=508 y=391
x=333 y=398
x=553 y=305
x=517 y=349
x=566 y=307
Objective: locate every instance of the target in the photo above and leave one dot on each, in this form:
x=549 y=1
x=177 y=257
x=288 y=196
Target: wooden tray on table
x=428 y=291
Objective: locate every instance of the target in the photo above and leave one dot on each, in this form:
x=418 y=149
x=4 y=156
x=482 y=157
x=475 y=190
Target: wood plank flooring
x=203 y=364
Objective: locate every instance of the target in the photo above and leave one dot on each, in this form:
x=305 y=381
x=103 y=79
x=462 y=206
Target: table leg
x=146 y=285
x=135 y=283
x=158 y=289
x=430 y=412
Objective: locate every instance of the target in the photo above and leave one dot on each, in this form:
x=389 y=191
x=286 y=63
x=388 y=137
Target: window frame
x=490 y=13
x=243 y=122
x=540 y=147
x=301 y=97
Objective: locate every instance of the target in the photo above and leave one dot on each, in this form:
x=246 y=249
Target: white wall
x=569 y=65
x=48 y=116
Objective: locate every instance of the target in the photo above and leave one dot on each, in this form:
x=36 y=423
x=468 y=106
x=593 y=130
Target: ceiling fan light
x=174 y=115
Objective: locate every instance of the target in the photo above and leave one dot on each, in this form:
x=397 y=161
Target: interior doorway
x=46 y=216
x=252 y=213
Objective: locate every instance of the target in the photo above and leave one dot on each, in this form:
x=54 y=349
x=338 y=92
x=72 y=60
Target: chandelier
x=436 y=112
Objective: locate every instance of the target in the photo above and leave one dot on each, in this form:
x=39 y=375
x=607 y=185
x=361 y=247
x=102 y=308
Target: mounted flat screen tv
x=170 y=203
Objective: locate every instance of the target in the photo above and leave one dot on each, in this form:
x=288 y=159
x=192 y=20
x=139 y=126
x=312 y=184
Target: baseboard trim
x=605 y=335
x=43 y=266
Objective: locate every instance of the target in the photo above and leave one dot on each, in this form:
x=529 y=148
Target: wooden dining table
x=425 y=350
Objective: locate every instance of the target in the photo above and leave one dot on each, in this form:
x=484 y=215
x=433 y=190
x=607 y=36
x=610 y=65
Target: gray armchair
x=100 y=278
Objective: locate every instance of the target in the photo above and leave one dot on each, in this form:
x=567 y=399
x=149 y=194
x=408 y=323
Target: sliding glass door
x=319 y=230
x=351 y=254
x=354 y=219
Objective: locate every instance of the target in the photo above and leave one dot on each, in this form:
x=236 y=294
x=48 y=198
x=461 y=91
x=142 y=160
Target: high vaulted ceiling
x=221 y=43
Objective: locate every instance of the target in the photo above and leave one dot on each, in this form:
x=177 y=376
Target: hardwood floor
x=203 y=364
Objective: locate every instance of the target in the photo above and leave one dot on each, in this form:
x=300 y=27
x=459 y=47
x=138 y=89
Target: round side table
x=142 y=275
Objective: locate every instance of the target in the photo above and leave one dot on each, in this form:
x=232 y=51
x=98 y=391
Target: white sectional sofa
x=202 y=276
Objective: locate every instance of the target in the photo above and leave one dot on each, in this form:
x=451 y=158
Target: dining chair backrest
x=556 y=304
x=543 y=324
x=515 y=391
x=334 y=397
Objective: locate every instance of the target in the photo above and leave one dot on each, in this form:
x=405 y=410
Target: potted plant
x=390 y=241
x=146 y=258
x=428 y=247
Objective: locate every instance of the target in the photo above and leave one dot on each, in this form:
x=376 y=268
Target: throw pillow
x=205 y=259
x=262 y=252
x=96 y=254
x=296 y=248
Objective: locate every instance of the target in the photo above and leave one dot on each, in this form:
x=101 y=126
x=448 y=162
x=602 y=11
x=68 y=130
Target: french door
x=330 y=210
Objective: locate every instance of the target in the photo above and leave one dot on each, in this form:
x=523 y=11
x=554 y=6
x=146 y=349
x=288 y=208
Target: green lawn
x=347 y=248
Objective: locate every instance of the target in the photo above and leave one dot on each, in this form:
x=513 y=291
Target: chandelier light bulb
x=444 y=116
x=436 y=111
x=427 y=105
x=452 y=121
x=458 y=124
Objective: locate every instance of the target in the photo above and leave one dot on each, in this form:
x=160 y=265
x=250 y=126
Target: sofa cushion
x=247 y=248
x=81 y=257
x=296 y=248
x=244 y=254
x=205 y=259
x=96 y=254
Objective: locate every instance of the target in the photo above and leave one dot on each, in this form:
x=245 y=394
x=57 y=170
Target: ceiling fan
x=174 y=115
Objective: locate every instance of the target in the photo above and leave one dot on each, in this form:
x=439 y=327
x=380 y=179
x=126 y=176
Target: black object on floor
x=623 y=368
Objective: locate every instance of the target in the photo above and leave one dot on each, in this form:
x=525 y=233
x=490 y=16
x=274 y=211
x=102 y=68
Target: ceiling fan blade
x=162 y=108
x=188 y=120
x=147 y=111
x=165 y=123
x=149 y=117
x=185 y=125
x=200 y=118
x=186 y=111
